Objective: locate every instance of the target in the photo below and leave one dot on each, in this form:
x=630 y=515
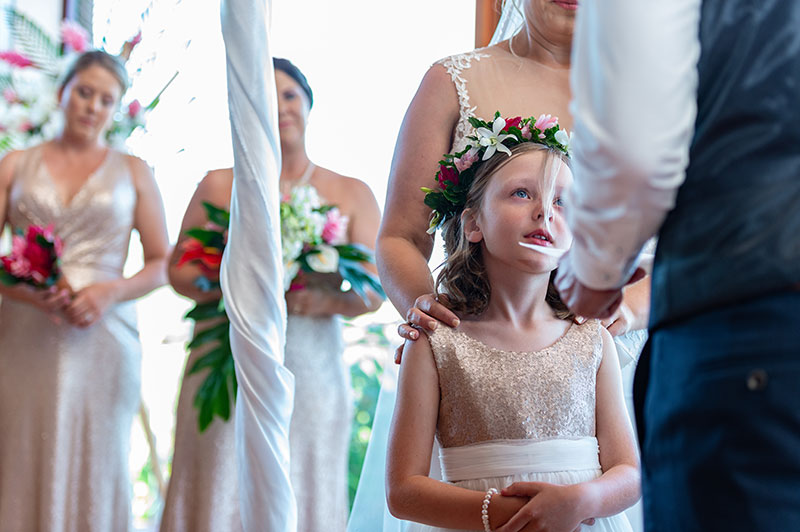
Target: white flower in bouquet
x=326 y=261
x=290 y=272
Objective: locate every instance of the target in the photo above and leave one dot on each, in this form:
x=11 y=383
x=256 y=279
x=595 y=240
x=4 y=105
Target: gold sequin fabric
x=68 y=395
x=490 y=394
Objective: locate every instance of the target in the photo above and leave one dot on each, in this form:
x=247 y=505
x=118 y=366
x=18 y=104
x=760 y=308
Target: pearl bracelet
x=485 y=508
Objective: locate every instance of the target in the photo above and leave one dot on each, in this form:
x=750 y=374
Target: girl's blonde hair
x=463 y=277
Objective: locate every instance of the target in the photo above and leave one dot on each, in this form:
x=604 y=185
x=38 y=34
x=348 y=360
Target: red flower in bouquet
x=206 y=257
x=34 y=258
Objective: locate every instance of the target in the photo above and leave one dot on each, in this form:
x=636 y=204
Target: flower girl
x=526 y=405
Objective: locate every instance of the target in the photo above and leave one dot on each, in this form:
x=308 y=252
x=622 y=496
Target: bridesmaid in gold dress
x=70 y=362
x=202 y=494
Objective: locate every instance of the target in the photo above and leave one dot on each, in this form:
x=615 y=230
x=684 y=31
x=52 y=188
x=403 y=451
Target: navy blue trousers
x=718 y=410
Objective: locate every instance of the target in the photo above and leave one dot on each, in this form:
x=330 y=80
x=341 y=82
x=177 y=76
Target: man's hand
x=585 y=301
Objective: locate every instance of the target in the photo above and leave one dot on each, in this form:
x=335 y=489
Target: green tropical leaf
x=207 y=237
x=216 y=333
x=212 y=359
x=217 y=215
x=33 y=41
x=205 y=311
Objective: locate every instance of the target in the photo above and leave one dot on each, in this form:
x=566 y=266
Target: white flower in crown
x=564 y=138
x=326 y=261
x=493 y=140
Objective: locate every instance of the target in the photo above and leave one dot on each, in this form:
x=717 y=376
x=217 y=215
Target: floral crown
x=457 y=170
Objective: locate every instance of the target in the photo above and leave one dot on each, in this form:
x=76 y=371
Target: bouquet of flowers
x=35 y=258
x=204 y=248
x=29 y=80
x=312 y=240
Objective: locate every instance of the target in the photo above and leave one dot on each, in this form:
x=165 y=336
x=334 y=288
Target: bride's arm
x=410 y=493
x=404 y=247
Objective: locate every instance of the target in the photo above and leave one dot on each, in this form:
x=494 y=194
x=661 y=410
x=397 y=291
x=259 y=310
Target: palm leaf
x=33 y=41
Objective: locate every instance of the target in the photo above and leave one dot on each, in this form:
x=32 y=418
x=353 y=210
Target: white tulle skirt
x=499 y=464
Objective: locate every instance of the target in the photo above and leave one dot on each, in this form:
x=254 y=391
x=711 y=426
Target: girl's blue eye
x=559 y=202
x=520 y=193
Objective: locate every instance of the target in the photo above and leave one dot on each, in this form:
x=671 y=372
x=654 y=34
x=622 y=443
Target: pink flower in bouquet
x=9 y=95
x=467 y=160
x=34 y=256
x=447 y=173
x=41 y=258
x=134 y=108
x=74 y=36
x=512 y=122
x=545 y=122
x=335 y=230
x=15 y=59
x=136 y=39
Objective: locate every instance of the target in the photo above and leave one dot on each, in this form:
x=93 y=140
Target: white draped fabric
x=252 y=275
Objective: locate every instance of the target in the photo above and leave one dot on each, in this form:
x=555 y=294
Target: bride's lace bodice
x=490 y=394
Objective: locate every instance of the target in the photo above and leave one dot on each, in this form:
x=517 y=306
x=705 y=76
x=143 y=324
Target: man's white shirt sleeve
x=634 y=83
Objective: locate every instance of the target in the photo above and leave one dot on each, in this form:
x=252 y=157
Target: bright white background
x=364 y=60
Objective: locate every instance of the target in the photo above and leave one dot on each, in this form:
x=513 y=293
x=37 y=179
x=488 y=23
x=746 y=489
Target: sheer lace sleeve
x=455 y=65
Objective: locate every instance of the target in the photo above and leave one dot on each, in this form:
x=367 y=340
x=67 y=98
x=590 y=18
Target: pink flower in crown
x=545 y=122
x=134 y=108
x=74 y=36
x=526 y=132
x=447 y=174
x=136 y=39
x=466 y=161
x=512 y=122
x=15 y=59
x=335 y=230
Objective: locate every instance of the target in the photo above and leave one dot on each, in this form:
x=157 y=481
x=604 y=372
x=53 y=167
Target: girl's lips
x=539 y=237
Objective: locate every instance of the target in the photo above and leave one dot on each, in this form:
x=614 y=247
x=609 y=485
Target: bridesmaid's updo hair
x=288 y=68
x=463 y=277
x=99 y=58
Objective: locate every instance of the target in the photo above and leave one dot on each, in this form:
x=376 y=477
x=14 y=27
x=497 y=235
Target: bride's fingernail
x=456 y=322
x=432 y=325
x=413 y=335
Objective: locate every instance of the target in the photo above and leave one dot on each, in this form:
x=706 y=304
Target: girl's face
x=521 y=205
x=89 y=101
x=293 y=108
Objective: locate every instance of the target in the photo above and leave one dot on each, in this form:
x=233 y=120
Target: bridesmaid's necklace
x=304 y=179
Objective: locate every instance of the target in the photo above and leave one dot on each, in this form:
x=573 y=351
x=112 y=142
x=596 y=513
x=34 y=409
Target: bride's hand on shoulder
x=551 y=507
x=426 y=314
x=90 y=303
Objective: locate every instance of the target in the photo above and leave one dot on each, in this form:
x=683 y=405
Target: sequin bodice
x=490 y=394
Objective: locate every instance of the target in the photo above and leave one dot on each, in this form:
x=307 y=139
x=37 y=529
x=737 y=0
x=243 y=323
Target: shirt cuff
x=596 y=274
